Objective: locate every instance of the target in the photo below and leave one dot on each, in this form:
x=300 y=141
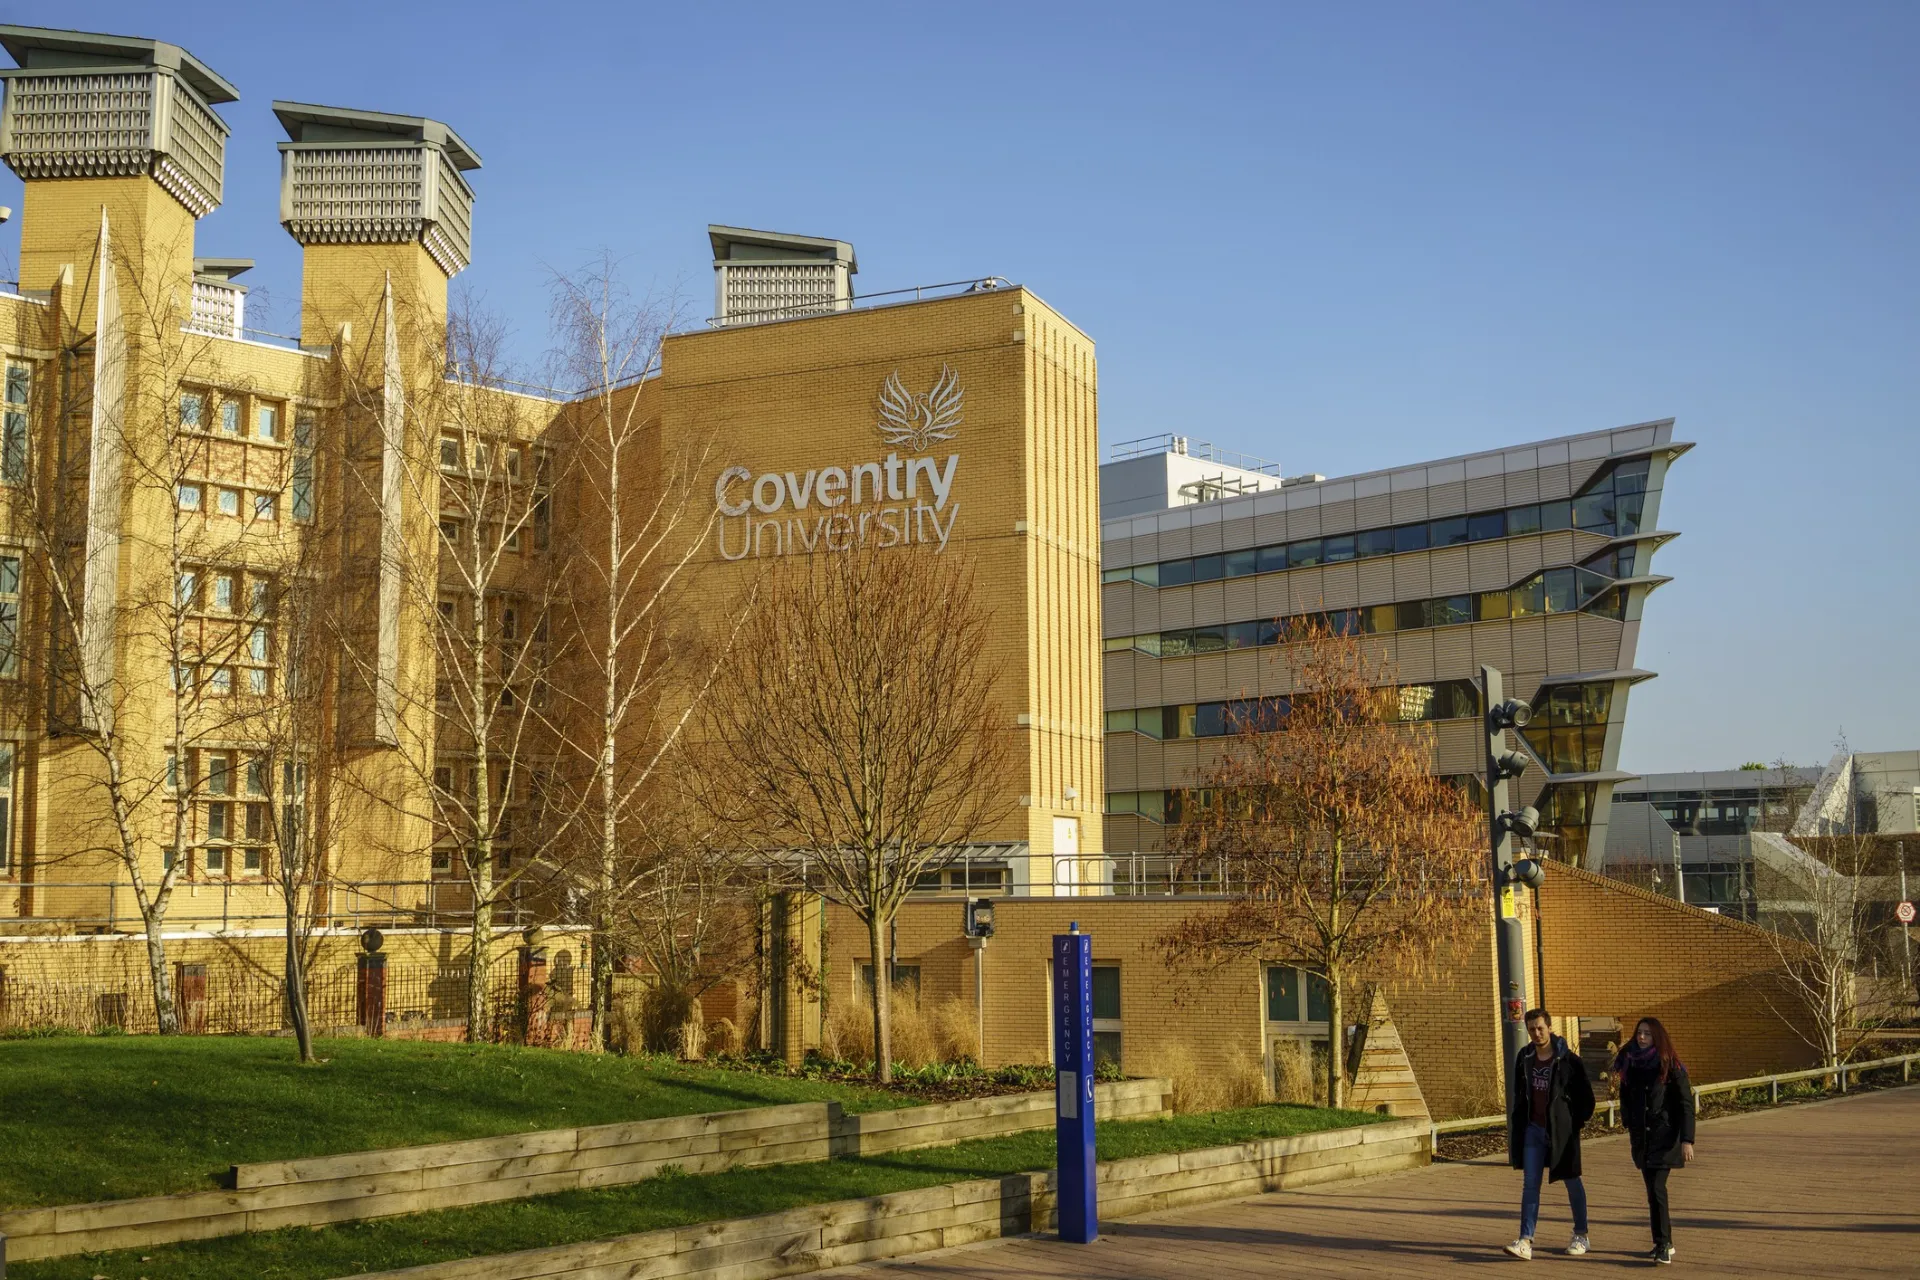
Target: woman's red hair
x=1662 y=1044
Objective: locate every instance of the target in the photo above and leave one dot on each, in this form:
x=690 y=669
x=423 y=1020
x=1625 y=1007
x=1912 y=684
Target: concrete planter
x=378 y=1184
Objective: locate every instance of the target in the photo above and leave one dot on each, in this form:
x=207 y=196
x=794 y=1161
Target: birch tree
x=634 y=672
x=126 y=545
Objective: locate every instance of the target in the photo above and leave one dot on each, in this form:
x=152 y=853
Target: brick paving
x=1824 y=1189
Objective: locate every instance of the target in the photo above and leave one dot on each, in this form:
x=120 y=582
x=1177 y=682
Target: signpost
x=1904 y=912
x=1073 y=1084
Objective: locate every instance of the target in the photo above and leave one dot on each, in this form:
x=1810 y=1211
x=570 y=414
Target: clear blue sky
x=1343 y=236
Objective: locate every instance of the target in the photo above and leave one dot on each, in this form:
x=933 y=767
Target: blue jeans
x=1534 y=1162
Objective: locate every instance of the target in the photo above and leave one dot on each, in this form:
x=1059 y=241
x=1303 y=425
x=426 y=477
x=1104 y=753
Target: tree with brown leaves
x=855 y=730
x=1347 y=855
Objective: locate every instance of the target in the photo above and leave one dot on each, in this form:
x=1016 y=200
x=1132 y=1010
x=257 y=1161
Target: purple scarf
x=1634 y=1058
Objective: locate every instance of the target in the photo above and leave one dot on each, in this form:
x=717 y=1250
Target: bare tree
x=856 y=728
x=459 y=444
x=1346 y=853
x=128 y=562
x=1830 y=899
x=639 y=526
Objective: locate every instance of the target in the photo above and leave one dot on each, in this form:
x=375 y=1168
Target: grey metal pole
x=980 y=996
x=1508 y=940
x=1906 y=930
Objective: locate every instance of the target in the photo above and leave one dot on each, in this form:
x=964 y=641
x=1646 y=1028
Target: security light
x=979 y=920
x=1528 y=871
x=1521 y=822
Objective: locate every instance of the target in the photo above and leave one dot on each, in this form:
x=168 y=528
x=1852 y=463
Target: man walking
x=1549 y=1100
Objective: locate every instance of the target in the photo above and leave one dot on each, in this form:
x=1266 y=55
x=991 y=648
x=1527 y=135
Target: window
x=187 y=589
x=230 y=417
x=1487 y=526
x=220 y=682
x=513 y=540
x=1450 y=532
x=223 y=592
x=252 y=861
x=1374 y=542
x=256 y=821
x=256 y=775
x=219 y=774
x=215 y=858
x=1448 y=611
x=257 y=681
x=257 y=644
x=449 y=453
x=6 y=808
x=1285 y=986
x=906 y=982
x=482 y=456
x=512 y=455
x=219 y=815
x=543 y=526
x=257 y=598
x=1338 y=549
x=1410 y=537
x=229 y=500
x=189 y=497
x=303 y=467
x=267 y=420
x=9 y=616
x=1302 y=554
x=450 y=532
x=1106 y=1015
x=13 y=441
x=192 y=406
x=266 y=507
x=1239 y=564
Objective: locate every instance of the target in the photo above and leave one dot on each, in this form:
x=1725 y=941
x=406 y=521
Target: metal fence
x=228 y=905
x=1838 y=1074
x=234 y=996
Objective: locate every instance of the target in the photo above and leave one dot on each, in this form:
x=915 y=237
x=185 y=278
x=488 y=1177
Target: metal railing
x=109 y=906
x=833 y=306
x=1838 y=1074
x=1186 y=446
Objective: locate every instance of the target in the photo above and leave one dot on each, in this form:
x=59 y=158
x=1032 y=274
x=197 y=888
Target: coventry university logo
x=912 y=422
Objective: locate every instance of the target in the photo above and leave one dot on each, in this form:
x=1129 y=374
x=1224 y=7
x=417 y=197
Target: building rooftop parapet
x=85 y=105
x=1205 y=451
x=1636 y=439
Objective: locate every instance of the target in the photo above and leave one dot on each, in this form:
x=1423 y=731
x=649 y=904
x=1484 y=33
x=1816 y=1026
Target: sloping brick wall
x=1616 y=950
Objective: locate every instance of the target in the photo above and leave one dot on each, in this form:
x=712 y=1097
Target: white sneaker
x=1578 y=1246
x=1522 y=1249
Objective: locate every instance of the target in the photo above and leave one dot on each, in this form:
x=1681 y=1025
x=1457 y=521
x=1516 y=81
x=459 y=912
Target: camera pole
x=1499 y=714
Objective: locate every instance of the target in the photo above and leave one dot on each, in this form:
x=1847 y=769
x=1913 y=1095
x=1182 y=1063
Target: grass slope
x=105 y=1118
x=667 y=1201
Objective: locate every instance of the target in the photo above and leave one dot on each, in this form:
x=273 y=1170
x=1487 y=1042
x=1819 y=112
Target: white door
x=1066 y=855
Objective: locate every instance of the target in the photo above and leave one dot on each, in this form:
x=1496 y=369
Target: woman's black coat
x=1658 y=1115
x=1569 y=1106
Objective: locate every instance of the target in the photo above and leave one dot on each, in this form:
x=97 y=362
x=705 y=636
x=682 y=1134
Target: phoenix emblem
x=908 y=421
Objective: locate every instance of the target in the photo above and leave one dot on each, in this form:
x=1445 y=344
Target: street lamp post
x=1498 y=714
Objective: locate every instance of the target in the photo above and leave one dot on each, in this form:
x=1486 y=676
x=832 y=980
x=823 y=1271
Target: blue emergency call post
x=1073 y=1084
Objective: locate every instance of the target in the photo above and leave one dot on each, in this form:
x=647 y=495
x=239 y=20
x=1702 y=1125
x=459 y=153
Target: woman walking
x=1548 y=1101
x=1656 y=1104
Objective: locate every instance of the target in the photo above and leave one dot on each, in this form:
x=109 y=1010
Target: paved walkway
x=1825 y=1189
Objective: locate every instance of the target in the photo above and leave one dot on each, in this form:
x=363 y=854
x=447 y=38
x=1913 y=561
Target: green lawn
x=667 y=1201
x=105 y=1118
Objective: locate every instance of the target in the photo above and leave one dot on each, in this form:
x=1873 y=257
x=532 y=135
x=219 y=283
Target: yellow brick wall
x=1616 y=951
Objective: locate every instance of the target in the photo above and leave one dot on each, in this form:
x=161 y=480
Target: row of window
x=222 y=590
x=1567 y=589
x=13 y=426
x=1444 y=700
x=202 y=411
x=457 y=457
x=9 y=616
x=229 y=502
x=1611 y=505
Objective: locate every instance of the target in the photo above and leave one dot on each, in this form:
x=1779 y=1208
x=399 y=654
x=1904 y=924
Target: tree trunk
x=479 y=967
x=601 y=997
x=165 y=1017
x=882 y=1001
x=1336 y=1041
x=297 y=984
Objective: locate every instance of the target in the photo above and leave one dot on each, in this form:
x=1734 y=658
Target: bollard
x=1773 y=1088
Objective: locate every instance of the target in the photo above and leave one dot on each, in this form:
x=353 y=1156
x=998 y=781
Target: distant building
x=1735 y=840
x=1534 y=559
